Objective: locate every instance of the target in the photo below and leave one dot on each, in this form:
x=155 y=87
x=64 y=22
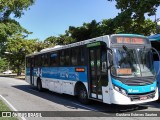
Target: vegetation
x=13 y=37
x=12 y=32
x=5 y=108
x=135 y=10
x=3 y=64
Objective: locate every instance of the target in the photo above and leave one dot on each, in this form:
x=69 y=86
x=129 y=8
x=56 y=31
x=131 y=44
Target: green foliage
x=136 y=9
x=61 y=40
x=18 y=47
x=10 y=27
x=109 y=26
x=12 y=34
x=86 y=31
x=4 y=107
x=39 y=45
x=145 y=28
x=15 y=7
x=130 y=20
x=3 y=64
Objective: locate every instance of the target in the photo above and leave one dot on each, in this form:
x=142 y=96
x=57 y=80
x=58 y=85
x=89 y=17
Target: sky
x=52 y=17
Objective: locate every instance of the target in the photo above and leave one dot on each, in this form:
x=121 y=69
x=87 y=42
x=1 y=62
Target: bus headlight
x=116 y=88
x=120 y=90
x=123 y=92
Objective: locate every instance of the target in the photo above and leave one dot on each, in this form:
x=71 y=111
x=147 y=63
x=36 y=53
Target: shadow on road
x=72 y=102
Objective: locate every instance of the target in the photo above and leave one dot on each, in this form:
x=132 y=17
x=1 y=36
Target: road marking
x=84 y=106
x=11 y=106
x=89 y=108
x=33 y=90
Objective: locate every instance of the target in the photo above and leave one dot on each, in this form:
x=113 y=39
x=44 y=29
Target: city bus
x=113 y=69
x=155 y=42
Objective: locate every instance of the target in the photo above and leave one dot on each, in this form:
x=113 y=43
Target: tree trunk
x=18 y=70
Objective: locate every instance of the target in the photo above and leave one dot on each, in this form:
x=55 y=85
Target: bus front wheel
x=83 y=96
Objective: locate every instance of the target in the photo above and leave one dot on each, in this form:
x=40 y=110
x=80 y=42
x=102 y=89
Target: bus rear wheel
x=39 y=85
x=83 y=96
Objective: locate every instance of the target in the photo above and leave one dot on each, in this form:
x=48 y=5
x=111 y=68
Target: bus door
x=98 y=77
x=31 y=71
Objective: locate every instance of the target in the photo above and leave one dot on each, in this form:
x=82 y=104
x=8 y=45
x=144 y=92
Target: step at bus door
x=98 y=78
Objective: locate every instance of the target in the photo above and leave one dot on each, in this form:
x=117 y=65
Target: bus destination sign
x=130 y=40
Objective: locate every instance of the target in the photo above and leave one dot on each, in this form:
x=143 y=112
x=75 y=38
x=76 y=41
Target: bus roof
x=59 y=47
x=100 y=38
x=133 y=35
x=155 y=37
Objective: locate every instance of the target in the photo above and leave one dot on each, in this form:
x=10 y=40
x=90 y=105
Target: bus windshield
x=132 y=62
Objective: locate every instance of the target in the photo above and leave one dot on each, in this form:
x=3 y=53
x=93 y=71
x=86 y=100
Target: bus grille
x=140 y=81
x=137 y=97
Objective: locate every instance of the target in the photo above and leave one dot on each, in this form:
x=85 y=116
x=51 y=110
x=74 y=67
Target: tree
x=3 y=64
x=109 y=26
x=17 y=47
x=86 y=31
x=145 y=28
x=10 y=27
x=14 y=7
x=50 y=41
x=136 y=9
x=12 y=34
x=60 y=40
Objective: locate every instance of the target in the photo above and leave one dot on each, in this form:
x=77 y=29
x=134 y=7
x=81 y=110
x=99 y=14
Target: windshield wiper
x=125 y=48
x=128 y=52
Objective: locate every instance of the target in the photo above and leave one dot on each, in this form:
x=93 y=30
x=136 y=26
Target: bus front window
x=132 y=62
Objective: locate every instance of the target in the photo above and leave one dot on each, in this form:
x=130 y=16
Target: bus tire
x=39 y=85
x=83 y=95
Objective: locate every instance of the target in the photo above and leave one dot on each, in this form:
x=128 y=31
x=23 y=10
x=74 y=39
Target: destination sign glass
x=128 y=40
x=124 y=71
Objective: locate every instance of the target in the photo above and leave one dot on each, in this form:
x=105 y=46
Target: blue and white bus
x=155 y=42
x=113 y=69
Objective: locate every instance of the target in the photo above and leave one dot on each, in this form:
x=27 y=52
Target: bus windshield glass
x=132 y=62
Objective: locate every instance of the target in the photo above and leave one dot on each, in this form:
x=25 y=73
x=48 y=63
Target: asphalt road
x=21 y=96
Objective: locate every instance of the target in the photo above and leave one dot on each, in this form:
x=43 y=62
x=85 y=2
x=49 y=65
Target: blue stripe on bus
x=135 y=89
x=62 y=73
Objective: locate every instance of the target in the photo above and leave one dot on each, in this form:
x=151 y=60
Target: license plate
x=143 y=97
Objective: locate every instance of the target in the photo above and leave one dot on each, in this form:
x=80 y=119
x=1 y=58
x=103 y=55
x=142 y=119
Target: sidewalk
x=22 y=77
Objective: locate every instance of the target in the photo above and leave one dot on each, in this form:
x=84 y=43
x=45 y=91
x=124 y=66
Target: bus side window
x=82 y=56
x=74 y=56
x=36 y=60
x=54 y=59
x=67 y=57
x=28 y=63
x=45 y=60
x=77 y=56
x=62 y=58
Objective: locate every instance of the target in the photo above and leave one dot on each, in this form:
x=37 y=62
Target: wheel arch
x=77 y=86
